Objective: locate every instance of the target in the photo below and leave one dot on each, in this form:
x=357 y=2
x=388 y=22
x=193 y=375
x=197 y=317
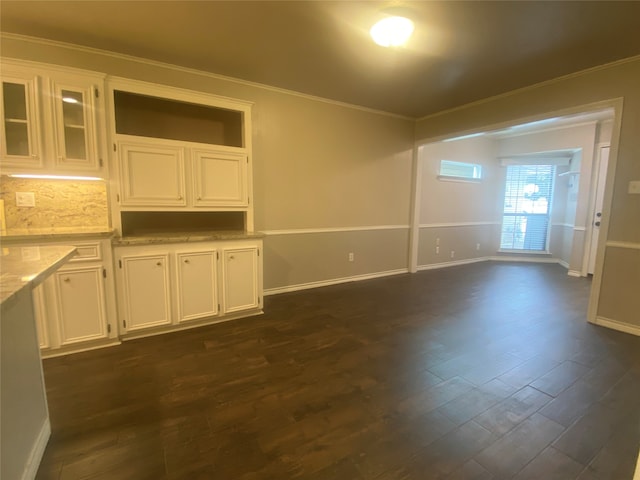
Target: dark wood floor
x=485 y=371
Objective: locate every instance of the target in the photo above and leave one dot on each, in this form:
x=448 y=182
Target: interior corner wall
x=318 y=166
x=459 y=221
x=619 y=80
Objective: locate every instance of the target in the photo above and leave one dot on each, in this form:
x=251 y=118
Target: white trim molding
x=629 y=245
x=565 y=225
x=574 y=273
x=334 y=281
x=616 y=325
x=35 y=457
x=178 y=68
x=301 y=231
x=457 y=224
x=434 y=266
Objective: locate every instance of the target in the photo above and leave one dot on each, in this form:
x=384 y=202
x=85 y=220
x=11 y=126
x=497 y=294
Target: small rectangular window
x=460 y=171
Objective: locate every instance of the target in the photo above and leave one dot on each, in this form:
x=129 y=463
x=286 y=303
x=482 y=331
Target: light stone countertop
x=27 y=266
x=180 y=237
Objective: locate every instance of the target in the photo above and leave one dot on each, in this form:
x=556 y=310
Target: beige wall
x=457 y=216
x=597 y=85
x=317 y=165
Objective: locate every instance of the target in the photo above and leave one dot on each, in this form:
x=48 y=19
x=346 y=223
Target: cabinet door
x=81 y=304
x=151 y=175
x=20 y=122
x=76 y=143
x=146 y=291
x=240 y=279
x=197 y=285
x=220 y=179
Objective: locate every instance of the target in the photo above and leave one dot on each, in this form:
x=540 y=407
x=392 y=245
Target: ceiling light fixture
x=392 y=31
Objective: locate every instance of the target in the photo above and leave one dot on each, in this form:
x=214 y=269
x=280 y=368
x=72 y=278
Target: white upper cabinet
x=179 y=149
x=21 y=144
x=51 y=119
x=76 y=139
x=219 y=178
x=151 y=174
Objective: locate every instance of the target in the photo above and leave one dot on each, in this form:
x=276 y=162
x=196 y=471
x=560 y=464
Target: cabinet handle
x=231 y=257
x=159 y=264
x=186 y=260
x=199 y=198
x=67 y=280
x=34 y=155
x=179 y=197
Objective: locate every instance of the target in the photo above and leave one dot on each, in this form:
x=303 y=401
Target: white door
x=151 y=174
x=197 y=285
x=240 y=279
x=220 y=179
x=146 y=291
x=603 y=162
x=80 y=301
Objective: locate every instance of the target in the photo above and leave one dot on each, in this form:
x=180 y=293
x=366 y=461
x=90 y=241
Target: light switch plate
x=25 y=199
x=634 y=187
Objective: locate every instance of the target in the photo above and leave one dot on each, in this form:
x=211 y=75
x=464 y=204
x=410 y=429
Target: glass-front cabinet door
x=75 y=137
x=20 y=135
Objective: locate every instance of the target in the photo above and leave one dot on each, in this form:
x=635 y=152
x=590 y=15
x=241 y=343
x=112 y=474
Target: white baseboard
x=563 y=263
x=518 y=258
x=334 y=281
x=616 y=325
x=574 y=273
x=35 y=457
x=433 y=266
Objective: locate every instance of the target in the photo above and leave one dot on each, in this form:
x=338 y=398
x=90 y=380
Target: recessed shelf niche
x=148 y=116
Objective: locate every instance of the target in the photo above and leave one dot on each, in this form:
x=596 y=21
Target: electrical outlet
x=437 y=249
x=351 y=256
x=25 y=199
x=634 y=187
x=438 y=241
x=453 y=253
x=477 y=246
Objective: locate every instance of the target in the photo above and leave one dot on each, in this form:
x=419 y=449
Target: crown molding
x=193 y=71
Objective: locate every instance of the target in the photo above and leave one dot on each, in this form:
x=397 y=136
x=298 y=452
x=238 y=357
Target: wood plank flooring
x=484 y=371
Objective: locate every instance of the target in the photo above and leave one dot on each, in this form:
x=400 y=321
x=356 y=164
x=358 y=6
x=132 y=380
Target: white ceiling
x=461 y=51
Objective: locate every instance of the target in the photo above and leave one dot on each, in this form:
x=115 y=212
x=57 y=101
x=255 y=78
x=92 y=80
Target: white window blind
x=527 y=204
x=466 y=171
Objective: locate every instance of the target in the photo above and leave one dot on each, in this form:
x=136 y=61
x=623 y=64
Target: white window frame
x=474 y=175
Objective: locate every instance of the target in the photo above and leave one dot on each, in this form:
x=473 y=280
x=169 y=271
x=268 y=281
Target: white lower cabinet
x=73 y=307
x=80 y=304
x=170 y=285
x=145 y=300
x=197 y=284
x=240 y=271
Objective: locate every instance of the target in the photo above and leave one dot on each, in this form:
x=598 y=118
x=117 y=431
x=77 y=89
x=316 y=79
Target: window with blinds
x=527 y=204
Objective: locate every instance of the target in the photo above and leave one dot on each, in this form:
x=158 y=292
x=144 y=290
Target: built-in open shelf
x=147 y=223
x=148 y=116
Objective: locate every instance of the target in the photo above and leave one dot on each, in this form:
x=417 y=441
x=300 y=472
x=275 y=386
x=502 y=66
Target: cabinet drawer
x=87 y=252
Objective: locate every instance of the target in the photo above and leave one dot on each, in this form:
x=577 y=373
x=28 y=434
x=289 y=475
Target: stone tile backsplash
x=58 y=203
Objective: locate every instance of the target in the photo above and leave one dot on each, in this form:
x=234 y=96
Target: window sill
x=447 y=178
x=526 y=252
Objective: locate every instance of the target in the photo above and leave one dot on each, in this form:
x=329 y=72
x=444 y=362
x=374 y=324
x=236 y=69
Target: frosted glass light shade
x=392 y=31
